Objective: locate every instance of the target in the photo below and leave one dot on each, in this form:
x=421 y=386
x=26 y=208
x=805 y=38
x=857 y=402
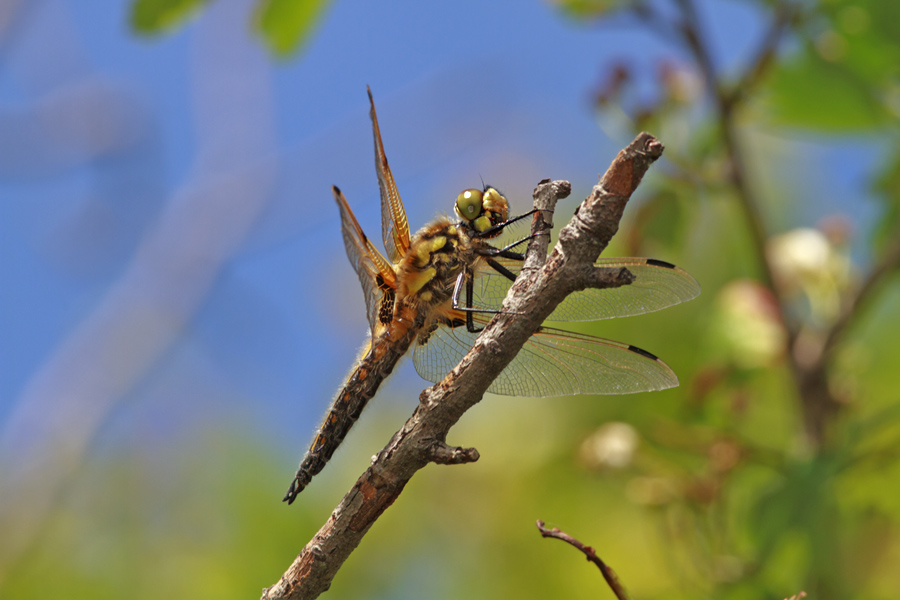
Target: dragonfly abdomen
x=373 y=368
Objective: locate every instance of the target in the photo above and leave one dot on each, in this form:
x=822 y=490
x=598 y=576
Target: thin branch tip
x=612 y=580
x=547 y=193
x=650 y=145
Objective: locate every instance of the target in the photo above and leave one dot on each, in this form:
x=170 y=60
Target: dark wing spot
x=660 y=263
x=386 y=310
x=643 y=352
x=381 y=283
x=425 y=334
x=453 y=322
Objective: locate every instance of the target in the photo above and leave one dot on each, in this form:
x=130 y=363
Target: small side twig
x=444 y=454
x=612 y=580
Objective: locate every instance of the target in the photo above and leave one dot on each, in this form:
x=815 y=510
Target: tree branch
x=785 y=13
x=537 y=291
x=888 y=263
x=612 y=580
x=817 y=403
x=725 y=107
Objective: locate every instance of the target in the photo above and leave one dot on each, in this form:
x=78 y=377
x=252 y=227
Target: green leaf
x=659 y=218
x=285 y=24
x=152 y=17
x=587 y=9
x=803 y=501
x=815 y=94
x=887 y=187
x=842 y=78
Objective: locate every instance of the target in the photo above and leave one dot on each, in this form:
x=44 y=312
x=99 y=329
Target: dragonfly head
x=481 y=210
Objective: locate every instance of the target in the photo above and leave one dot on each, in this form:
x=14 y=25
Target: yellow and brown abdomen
x=425 y=279
x=373 y=368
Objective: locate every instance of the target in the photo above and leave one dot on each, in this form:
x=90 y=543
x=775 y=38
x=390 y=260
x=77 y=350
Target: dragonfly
x=413 y=296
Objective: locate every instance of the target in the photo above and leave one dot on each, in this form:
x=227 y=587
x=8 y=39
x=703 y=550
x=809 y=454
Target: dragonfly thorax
x=437 y=254
x=480 y=210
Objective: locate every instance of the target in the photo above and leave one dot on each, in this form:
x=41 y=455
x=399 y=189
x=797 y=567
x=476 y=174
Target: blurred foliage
x=151 y=533
x=582 y=9
x=843 y=78
x=157 y=16
x=817 y=94
x=775 y=469
x=284 y=24
x=717 y=489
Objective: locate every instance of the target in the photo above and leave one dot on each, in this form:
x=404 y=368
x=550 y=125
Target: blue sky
x=200 y=141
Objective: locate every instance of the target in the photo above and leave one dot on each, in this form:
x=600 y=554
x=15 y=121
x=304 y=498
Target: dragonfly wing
x=552 y=363
x=394 y=226
x=377 y=276
x=657 y=285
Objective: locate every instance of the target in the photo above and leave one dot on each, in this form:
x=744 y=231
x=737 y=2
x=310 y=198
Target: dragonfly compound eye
x=469 y=204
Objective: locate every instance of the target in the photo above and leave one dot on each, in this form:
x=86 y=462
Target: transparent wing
x=552 y=363
x=375 y=273
x=657 y=285
x=394 y=226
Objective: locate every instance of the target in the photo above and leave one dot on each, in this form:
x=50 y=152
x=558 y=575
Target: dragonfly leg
x=470 y=323
x=506 y=251
x=501 y=269
x=492 y=230
x=466 y=277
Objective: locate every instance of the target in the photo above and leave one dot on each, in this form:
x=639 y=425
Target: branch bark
x=612 y=580
x=542 y=284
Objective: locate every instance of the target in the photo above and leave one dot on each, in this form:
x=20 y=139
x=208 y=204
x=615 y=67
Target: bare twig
x=817 y=403
x=692 y=35
x=532 y=298
x=888 y=262
x=650 y=16
x=725 y=106
x=612 y=580
x=785 y=13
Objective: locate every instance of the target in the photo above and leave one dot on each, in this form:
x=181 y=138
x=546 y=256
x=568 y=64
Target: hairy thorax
x=438 y=254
